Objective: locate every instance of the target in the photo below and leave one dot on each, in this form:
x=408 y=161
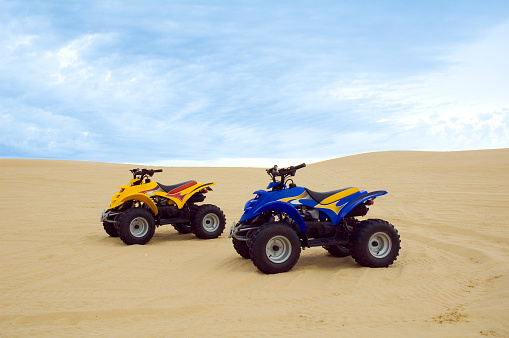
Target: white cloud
x=208 y=85
x=36 y=131
x=466 y=100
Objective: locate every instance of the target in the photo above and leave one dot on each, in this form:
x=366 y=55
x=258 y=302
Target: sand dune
x=61 y=275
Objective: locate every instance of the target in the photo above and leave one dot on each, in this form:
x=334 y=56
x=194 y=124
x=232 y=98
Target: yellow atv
x=138 y=208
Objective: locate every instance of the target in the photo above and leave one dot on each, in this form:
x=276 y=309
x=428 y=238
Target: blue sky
x=250 y=82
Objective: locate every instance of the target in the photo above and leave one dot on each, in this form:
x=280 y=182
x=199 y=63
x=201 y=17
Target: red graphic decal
x=176 y=192
x=145 y=191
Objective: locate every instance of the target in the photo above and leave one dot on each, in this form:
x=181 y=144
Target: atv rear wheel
x=136 y=226
x=208 y=222
x=110 y=229
x=241 y=248
x=274 y=248
x=337 y=250
x=375 y=243
x=183 y=228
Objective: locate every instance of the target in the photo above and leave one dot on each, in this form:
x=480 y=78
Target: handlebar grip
x=151 y=172
x=300 y=166
x=272 y=171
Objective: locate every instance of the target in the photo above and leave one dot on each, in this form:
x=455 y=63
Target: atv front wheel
x=208 y=222
x=375 y=243
x=110 y=229
x=136 y=226
x=274 y=248
x=241 y=248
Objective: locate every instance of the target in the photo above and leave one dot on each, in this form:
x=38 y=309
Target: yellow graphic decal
x=331 y=201
x=342 y=194
x=331 y=206
x=303 y=195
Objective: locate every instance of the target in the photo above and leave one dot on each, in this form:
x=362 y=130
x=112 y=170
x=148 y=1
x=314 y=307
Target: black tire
x=208 y=222
x=136 y=226
x=241 y=248
x=375 y=243
x=337 y=250
x=110 y=229
x=183 y=228
x=274 y=248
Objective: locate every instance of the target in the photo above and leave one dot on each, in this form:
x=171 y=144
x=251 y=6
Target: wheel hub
x=380 y=245
x=139 y=227
x=278 y=249
x=211 y=222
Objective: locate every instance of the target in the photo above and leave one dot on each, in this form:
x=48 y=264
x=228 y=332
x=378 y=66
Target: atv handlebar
x=274 y=171
x=143 y=172
x=299 y=166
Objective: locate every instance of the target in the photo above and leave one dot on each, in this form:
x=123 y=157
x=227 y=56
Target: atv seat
x=176 y=187
x=320 y=196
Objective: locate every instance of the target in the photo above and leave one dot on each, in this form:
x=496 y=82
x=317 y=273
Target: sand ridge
x=62 y=275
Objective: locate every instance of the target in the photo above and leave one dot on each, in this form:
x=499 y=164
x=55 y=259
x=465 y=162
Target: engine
x=165 y=210
x=317 y=229
x=309 y=214
x=160 y=201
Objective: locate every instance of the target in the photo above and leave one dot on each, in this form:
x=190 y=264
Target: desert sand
x=61 y=275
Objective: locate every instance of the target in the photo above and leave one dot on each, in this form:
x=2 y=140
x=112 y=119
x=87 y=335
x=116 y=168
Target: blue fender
x=285 y=207
x=361 y=199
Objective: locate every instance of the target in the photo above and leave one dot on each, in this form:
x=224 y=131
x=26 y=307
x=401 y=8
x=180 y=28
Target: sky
x=250 y=83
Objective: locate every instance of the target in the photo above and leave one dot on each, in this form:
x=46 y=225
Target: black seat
x=320 y=196
x=169 y=188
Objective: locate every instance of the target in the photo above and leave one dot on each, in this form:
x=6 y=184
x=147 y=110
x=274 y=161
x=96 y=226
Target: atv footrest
x=174 y=220
x=326 y=241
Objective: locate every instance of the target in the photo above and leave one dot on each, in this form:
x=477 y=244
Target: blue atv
x=277 y=223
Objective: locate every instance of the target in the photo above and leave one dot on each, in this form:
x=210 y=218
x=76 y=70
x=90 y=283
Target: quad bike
x=138 y=208
x=277 y=223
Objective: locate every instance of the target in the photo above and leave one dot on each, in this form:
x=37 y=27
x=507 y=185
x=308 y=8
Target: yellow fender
x=133 y=193
x=142 y=198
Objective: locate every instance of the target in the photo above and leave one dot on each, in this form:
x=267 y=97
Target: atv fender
x=181 y=197
x=138 y=197
x=361 y=199
x=285 y=207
